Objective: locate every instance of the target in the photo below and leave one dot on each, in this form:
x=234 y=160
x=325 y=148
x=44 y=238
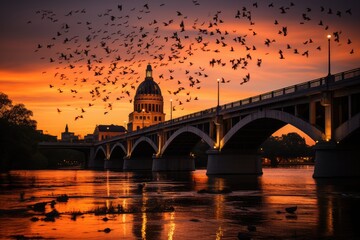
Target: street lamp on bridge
x=329 y=37
x=143 y=115
x=171 y=109
x=218 y=97
x=326 y=95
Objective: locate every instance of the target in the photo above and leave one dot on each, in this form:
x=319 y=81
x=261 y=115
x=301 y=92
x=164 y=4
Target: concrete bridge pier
x=137 y=163
x=332 y=160
x=90 y=158
x=96 y=161
x=91 y=162
x=233 y=163
x=116 y=164
x=173 y=163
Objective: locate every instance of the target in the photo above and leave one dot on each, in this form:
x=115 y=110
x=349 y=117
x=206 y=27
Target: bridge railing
x=347 y=74
x=292 y=89
x=262 y=97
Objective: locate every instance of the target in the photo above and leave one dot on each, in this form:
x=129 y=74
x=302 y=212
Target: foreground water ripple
x=177 y=205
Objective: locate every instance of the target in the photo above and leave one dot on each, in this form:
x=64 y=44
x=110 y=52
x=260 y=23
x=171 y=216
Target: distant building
x=89 y=138
x=103 y=132
x=47 y=137
x=68 y=136
x=148 y=104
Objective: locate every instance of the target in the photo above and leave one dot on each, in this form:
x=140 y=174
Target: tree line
x=279 y=150
x=19 y=137
x=288 y=146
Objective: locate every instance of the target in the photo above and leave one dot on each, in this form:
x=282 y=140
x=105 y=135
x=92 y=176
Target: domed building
x=148 y=104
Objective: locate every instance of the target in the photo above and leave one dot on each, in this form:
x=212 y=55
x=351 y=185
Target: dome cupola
x=148 y=104
x=148 y=86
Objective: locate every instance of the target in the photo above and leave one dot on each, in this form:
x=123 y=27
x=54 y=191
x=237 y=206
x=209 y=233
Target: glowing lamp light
x=171 y=109
x=329 y=36
x=218 y=97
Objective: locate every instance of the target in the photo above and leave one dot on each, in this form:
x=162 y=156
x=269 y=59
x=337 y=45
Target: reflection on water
x=179 y=205
x=338 y=200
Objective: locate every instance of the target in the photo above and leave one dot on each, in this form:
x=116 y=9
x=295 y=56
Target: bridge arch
x=116 y=146
x=99 y=151
x=147 y=142
x=116 y=157
x=347 y=128
x=279 y=119
x=188 y=129
x=99 y=157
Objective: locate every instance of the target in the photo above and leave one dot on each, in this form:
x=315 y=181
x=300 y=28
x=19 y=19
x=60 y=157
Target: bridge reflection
x=337 y=200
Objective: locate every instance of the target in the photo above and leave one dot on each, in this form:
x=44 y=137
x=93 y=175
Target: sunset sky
x=80 y=62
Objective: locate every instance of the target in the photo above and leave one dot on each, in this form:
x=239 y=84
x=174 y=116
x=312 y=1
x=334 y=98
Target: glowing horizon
x=32 y=46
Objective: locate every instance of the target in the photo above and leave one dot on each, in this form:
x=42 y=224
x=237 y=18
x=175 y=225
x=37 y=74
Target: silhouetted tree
x=271 y=149
x=294 y=146
x=288 y=146
x=18 y=138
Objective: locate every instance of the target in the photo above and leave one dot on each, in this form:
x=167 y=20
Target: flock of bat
x=103 y=58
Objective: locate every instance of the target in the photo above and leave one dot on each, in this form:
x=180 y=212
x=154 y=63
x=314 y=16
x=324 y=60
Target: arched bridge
x=326 y=109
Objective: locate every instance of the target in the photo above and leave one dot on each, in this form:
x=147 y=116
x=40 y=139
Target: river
x=178 y=205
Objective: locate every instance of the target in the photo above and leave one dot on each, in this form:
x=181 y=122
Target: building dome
x=148 y=86
x=148 y=104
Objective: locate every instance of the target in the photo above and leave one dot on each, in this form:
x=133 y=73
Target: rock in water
x=39 y=207
x=62 y=198
x=291 y=209
x=34 y=219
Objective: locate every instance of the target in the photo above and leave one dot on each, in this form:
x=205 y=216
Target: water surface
x=171 y=205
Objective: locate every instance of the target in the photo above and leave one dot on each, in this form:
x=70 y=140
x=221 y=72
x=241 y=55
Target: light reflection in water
x=219 y=198
x=107 y=190
x=144 y=216
x=123 y=217
x=219 y=233
x=338 y=202
x=143 y=226
x=172 y=226
x=325 y=209
x=330 y=218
